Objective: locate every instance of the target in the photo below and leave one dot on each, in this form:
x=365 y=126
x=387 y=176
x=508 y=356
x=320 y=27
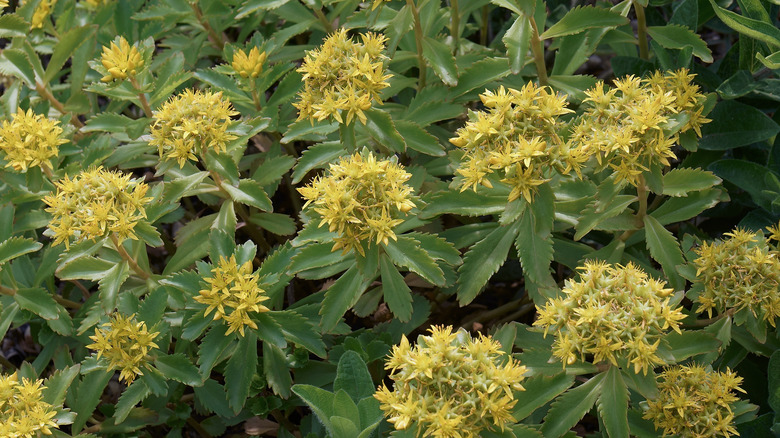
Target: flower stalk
x=418 y=38
x=537 y=46
x=128 y=258
x=641 y=30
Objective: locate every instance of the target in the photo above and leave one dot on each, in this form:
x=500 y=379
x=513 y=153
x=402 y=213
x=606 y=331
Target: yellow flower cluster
x=612 y=313
x=248 y=65
x=30 y=140
x=41 y=13
x=121 y=61
x=450 y=385
x=191 y=123
x=624 y=126
x=126 y=343
x=741 y=272
x=342 y=76
x=693 y=402
x=233 y=292
x=361 y=198
x=517 y=137
x=95 y=203
x=3 y=4
x=23 y=413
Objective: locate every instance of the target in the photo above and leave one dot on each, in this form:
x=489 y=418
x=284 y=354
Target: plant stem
x=66 y=302
x=483 y=31
x=7 y=291
x=418 y=37
x=641 y=30
x=47 y=171
x=324 y=20
x=6 y=363
x=198 y=428
x=130 y=260
x=347 y=134
x=455 y=24
x=46 y=94
x=254 y=233
x=537 y=46
x=215 y=38
x=256 y=97
x=705 y=322
x=642 y=194
x=141 y=97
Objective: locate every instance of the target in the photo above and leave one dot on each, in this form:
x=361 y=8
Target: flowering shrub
x=224 y=218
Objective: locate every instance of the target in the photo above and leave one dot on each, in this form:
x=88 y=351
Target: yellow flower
x=41 y=13
x=23 y=413
x=190 y=124
x=30 y=140
x=740 y=273
x=94 y=204
x=233 y=293
x=450 y=385
x=248 y=65
x=517 y=138
x=126 y=343
x=361 y=199
x=612 y=313
x=121 y=60
x=3 y=4
x=342 y=76
x=694 y=402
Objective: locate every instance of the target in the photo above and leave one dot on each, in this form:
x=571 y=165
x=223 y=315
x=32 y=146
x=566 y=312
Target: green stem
x=455 y=24
x=705 y=322
x=141 y=97
x=537 y=46
x=214 y=37
x=483 y=31
x=418 y=37
x=46 y=94
x=347 y=134
x=639 y=218
x=256 y=97
x=6 y=363
x=254 y=233
x=47 y=171
x=641 y=30
x=130 y=260
x=198 y=428
x=324 y=20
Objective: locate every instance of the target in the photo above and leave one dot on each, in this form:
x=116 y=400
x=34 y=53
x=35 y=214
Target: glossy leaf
x=580 y=19
x=397 y=294
x=483 y=260
x=569 y=408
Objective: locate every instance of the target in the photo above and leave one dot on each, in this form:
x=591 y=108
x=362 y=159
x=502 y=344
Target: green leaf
x=318 y=400
x=440 y=58
x=438 y=248
x=88 y=396
x=65 y=47
x=539 y=390
x=483 y=260
x=179 y=368
x=677 y=347
x=14 y=62
x=179 y=187
x=665 y=250
x=12 y=25
x=272 y=169
x=756 y=29
x=305 y=130
x=517 y=41
x=194 y=248
x=276 y=370
x=58 y=384
x=608 y=204
x=299 y=330
x=381 y=128
x=269 y=331
x=534 y=243
x=481 y=73
x=38 y=301
x=582 y=18
x=17 y=246
x=131 y=396
x=681 y=181
x=569 y=408
x=250 y=193
x=681 y=209
x=467 y=203
x=280 y=224
x=212 y=347
x=397 y=294
x=674 y=36
x=148 y=233
x=315 y=157
x=419 y=139
x=315 y=256
x=212 y=396
x=613 y=404
x=407 y=252
x=773 y=385
x=353 y=377
x=341 y=296
x=109 y=285
x=240 y=369
x=343 y=427
x=736 y=124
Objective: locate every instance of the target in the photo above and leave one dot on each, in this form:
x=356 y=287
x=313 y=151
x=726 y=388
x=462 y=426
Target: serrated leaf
x=483 y=260
x=600 y=211
x=58 y=384
x=681 y=209
x=250 y=193
x=517 y=41
x=677 y=347
x=315 y=157
x=481 y=73
x=63 y=50
x=382 y=129
x=15 y=62
x=12 y=25
x=109 y=285
x=407 y=252
x=194 y=248
x=539 y=390
x=439 y=57
x=212 y=396
x=38 y=301
x=467 y=203
x=756 y=29
x=131 y=396
x=341 y=296
x=353 y=377
x=438 y=248
x=179 y=368
x=212 y=346
x=681 y=181
x=665 y=250
x=315 y=256
x=580 y=19
x=277 y=373
x=177 y=188
x=88 y=396
x=272 y=169
x=240 y=368
x=419 y=139
x=318 y=400
x=299 y=330
x=534 y=243
x=569 y=408
x=305 y=130
x=17 y=246
x=673 y=36
x=613 y=404
x=397 y=294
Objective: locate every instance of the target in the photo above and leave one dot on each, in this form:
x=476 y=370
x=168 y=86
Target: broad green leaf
x=38 y=301
x=481 y=73
x=250 y=193
x=580 y=19
x=381 y=128
x=212 y=396
x=269 y=331
x=12 y=25
x=280 y=224
x=677 y=347
x=539 y=390
x=341 y=296
x=315 y=256
x=407 y=252
x=353 y=377
x=276 y=370
x=343 y=427
x=569 y=408
x=748 y=176
x=600 y=211
x=736 y=124
x=179 y=187
x=673 y=36
x=419 y=139
x=438 y=248
x=251 y=6
x=148 y=233
x=318 y=400
x=194 y=248
x=272 y=169
x=17 y=246
x=63 y=50
x=240 y=368
x=483 y=260
x=681 y=181
x=397 y=294
x=109 y=285
x=573 y=85
x=440 y=58
x=517 y=41
x=315 y=157
x=58 y=384
x=179 y=368
x=681 y=209
x=212 y=347
x=665 y=249
x=613 y=404
x=756 y=29
x=305 y=130
x=88 y=396
x=14 y=62
x=467 y=203
x=533 y=243
x=131 y=396
x=299 y=330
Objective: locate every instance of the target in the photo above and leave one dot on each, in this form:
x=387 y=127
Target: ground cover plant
x=419 y=218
